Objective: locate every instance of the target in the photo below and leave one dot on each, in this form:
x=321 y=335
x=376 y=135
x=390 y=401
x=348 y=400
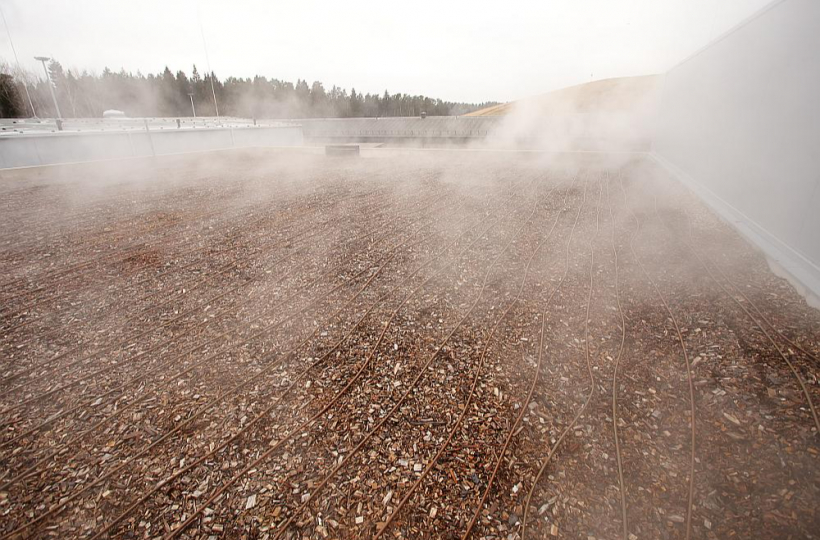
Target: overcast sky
x=457 y=50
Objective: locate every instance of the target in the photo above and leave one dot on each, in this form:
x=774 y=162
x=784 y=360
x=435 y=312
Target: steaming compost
x=269 y=345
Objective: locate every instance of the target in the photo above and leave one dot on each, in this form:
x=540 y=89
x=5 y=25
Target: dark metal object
x=342 y=150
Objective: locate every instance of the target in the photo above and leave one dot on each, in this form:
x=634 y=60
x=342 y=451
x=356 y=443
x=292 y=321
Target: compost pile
x=266 y=345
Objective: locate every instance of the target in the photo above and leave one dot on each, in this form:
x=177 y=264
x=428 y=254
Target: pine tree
x=11 y=102
x=355 y=103
x=166 y=94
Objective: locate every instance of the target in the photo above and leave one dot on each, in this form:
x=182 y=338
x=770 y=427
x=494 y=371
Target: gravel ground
x=266 y=345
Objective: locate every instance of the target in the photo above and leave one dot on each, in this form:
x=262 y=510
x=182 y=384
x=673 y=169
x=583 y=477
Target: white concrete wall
x=53 y=148
x=432 y=127
x=739 y=122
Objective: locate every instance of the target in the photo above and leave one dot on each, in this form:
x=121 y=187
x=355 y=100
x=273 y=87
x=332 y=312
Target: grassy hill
x=610 y=95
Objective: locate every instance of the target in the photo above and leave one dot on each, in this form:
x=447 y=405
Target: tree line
x=84 y=95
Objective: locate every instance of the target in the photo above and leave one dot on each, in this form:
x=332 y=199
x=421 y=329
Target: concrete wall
x=522 y=129
x=740 y=123
x=442 y=128
x=48 y=149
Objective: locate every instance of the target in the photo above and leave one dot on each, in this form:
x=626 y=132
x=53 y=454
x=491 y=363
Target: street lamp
x=45 y=59
x=192 y=104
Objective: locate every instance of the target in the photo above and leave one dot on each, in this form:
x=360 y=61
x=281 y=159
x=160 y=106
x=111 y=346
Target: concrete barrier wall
x=54 y=148
x=433 y=127
x=606 y=131
x=740 y=123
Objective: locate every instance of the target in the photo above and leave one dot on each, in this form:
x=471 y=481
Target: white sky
x=456 y=50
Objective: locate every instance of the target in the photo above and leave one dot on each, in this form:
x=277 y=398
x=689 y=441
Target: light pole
x=192 y=104
x=45 y=59
x=207 y=61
